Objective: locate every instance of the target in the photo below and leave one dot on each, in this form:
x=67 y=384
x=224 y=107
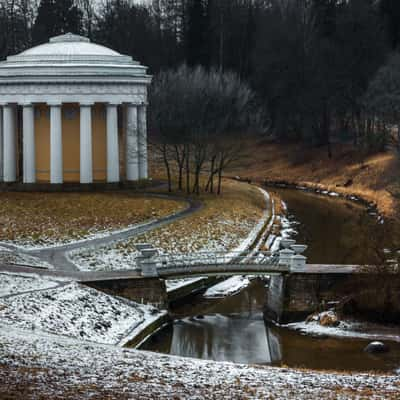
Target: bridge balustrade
x=212 y=258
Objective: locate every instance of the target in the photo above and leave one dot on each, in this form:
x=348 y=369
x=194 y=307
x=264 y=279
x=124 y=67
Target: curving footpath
x=57 y=255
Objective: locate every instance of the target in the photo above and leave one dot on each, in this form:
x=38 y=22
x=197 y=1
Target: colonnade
x=135 y=143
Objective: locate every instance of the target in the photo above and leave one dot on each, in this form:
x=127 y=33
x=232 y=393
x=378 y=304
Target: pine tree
x=390 y=10
x=196 y=33
x=56 y=17
x=15 y=23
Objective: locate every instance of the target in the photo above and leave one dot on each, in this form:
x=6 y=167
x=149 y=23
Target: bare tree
x=203 y=117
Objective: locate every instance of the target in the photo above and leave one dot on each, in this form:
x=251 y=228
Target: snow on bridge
x=167 y=266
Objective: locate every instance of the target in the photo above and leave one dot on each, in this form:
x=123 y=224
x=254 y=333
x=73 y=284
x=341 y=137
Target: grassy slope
x=223 y=221
x=38 y=217
x=226 y=219
x=375 y=178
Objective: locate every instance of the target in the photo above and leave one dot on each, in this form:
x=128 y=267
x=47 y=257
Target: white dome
x=69 y=45
x=71 y=69
x=72 y=58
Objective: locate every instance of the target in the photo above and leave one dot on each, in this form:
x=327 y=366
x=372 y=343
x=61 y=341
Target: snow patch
x=11 y=284
x=76 y=311
x=228 y=287
x=348 y=329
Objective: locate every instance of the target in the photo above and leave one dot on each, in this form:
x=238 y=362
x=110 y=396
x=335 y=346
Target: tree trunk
x=196 y=186
x=398 y=137
x=326 y=126
x=180 y=160
x=167 y=167
x=210 y=182
x=220 y=169
x=187 y=169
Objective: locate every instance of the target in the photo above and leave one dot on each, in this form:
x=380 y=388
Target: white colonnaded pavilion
x=72 y=111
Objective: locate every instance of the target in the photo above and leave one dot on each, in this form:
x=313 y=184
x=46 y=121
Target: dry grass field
x=222 y=223
x=43 y=218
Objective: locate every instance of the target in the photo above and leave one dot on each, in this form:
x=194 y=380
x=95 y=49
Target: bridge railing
x=213 y=258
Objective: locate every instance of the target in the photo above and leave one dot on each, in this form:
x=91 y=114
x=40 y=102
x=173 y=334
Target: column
x=28 y=135
x=132 y=151
x=56 y=147
x=9 y=143
x=86 y=152
x=1 y=144
x=142 y=122
x=112 y=144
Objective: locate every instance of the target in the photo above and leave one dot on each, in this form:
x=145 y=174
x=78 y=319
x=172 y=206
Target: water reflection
x=211 y=338
x=242 y=337
x=250 y=341
x=233 y=329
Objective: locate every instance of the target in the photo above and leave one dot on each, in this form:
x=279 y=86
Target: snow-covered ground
x=349 y=329
x=60 y=343
x=228 y=287
x=75 y=310
x=287 y=230
x=65 y=368
x=122 y=256
x=174 y=284
x=237 y=237
x=106 y=258
x=96 y=233
x=8 y=256
x=92 y=234
x=11 y=284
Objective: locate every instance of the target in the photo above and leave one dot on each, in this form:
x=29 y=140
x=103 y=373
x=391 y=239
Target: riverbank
x=372 y=178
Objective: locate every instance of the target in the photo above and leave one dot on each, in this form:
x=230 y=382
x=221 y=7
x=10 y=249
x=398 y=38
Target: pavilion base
x=77 y=187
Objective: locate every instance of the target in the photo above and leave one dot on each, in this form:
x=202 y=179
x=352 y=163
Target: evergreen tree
x=15 y=22
x=196 y=33
x=390 y=10
x=56 y=17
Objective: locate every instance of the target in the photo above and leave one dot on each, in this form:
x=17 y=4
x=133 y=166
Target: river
x=233 y=329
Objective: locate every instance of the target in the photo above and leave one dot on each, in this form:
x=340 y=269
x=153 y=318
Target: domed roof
x=72 y=58
x=69 y=45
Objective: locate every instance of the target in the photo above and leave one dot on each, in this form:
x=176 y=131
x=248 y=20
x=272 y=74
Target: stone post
x=285 y=257
x=298 y=263
x=148 y=262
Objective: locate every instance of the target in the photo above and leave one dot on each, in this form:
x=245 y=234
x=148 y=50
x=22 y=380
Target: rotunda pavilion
x=72 y=111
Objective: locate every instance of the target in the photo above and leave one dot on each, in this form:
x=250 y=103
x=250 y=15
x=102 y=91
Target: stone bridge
x=295 y=288
x=211 y=264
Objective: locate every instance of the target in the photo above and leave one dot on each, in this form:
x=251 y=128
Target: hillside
x=374 y=178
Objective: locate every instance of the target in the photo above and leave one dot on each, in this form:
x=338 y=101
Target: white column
x=56 y=146
x=1 y=144
x=28 y=134
x=143 y=163
x=132 y=151
x=86 y=152
x=112 y=144
x=9 y=143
